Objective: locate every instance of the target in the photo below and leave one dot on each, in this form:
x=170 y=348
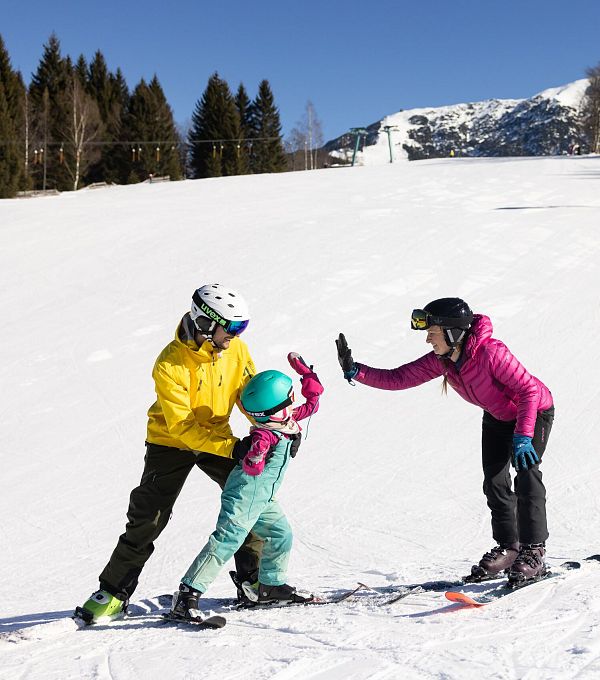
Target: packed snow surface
x=386 y=488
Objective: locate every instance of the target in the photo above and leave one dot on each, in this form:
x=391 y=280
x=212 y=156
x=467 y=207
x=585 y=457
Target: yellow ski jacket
x=196 y=389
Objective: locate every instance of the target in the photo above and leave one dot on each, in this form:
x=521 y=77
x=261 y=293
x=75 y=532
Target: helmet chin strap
x=206 y=327
x=452 y=342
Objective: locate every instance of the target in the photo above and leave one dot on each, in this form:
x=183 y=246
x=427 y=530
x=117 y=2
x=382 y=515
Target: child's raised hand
x=311 y=385
x=298 y=364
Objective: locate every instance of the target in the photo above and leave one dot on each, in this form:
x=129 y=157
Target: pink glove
x=298 y=364
x=255 y=460
x=311 y=385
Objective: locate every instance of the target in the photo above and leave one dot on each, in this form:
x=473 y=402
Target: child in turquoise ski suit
x=248 y=502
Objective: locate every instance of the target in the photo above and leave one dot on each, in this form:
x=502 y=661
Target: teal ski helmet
x=267 y=393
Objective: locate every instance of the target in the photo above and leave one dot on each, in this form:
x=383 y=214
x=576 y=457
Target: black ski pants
x=150 y=507
x=519 y=515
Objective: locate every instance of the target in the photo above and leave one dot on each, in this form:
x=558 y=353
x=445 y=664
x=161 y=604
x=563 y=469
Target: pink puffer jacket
x=489 y=377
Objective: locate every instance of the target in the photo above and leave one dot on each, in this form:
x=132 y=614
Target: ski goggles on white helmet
x=236 y=327
x=230 y=326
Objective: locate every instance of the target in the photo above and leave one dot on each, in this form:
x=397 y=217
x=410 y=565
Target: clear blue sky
x=356 y=61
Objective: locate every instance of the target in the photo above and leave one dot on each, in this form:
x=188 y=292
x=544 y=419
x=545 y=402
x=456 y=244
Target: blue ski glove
x=524 y=455
x=349 y=368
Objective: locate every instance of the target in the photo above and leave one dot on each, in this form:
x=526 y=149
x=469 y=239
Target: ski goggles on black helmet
x=421 y=320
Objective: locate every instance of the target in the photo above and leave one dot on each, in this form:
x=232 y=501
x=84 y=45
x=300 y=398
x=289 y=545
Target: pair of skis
x=506 y=589
x=451 y=592
x=449 y=588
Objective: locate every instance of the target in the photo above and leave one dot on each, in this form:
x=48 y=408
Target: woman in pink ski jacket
x=517 y=419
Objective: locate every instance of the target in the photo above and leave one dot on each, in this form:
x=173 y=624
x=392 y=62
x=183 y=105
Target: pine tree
x=149 y=124
x=111 y=96
x=98 y=84
x=81 y=71
x=48 y=105
x=215 y=132
x=12 y=138
x=9 y=156
x=167 y=158
x=268 y=154
x=116 y=157
x=243 y=106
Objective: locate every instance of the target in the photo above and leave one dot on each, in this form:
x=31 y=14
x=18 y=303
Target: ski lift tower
x=358 y=132
x=388 y=129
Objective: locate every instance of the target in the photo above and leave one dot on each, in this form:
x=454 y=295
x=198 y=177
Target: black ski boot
x=499 y=558
x=282 y=594
x=185 y=605
x=245 y=586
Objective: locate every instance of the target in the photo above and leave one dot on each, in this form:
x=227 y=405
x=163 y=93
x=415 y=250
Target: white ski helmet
x=216 y=305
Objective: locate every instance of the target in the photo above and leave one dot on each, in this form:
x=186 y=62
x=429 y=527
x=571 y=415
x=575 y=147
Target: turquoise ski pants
x=247 y=503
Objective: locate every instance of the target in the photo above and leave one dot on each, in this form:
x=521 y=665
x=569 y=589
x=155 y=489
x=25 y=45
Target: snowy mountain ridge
x=542 y=125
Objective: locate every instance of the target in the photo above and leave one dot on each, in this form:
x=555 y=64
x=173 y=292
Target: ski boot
x=499 y=558
x=529 y=565
x=244 y=598
x=185 y=605
x=101 y=606
x=283 y=594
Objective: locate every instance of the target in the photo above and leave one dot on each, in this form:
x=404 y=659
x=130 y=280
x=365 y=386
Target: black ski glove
x=296 y=440
x=241 y=448
x=345 y=358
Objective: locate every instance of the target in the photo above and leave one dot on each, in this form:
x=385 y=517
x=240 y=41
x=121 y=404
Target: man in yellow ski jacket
x=197 y=388
x=198 y=378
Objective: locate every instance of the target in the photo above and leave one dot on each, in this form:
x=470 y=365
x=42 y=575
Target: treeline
x=77 y=123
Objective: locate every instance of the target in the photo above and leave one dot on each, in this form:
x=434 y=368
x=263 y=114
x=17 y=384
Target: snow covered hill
x=387 y=486
x=545 y=124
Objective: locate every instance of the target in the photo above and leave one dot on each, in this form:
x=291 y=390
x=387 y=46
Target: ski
x=429 y=587
x=509 y=588
x=496 y=594
x=412 y=590
x=402 y=591
x=314 y=601
x=210 y=622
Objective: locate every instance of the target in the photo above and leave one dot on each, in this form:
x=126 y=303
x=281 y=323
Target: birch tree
x=306 y=138
x=84 y=127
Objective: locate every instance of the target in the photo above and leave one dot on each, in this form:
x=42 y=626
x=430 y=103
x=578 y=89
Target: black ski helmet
x=453 y=315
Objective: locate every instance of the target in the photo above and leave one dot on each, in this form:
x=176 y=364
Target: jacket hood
x=185 y=335
x=481 y=331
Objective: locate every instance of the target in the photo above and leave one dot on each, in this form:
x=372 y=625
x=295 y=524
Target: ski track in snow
x=386 y=489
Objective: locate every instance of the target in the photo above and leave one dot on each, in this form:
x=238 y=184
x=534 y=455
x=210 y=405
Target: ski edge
x=213 y=622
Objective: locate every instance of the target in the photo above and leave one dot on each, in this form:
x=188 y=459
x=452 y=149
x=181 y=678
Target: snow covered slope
x=545 y=124
x=387 y=486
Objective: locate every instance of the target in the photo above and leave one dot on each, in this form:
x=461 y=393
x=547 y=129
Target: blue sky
x=356 y=61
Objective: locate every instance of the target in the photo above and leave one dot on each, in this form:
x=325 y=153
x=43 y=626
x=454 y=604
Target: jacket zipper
x=285 y=457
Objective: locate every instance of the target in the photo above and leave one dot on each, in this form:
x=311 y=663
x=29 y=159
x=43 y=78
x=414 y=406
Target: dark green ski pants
x=150 y=506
